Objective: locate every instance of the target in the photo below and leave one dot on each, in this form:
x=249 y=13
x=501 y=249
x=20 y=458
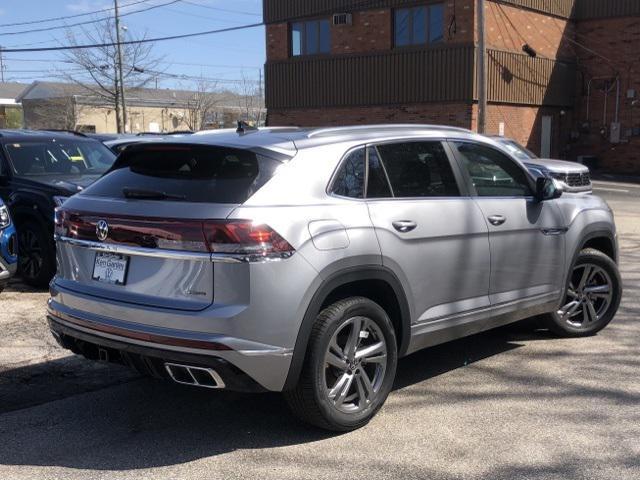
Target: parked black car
x=38 y=171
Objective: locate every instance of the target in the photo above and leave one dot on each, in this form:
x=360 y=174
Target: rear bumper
x=147 y=360
x=242 y=364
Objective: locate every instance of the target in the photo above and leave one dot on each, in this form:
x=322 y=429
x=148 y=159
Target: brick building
x=574 y=92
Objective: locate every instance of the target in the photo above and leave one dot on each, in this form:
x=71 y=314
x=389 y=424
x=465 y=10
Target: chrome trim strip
x=473 y=311
x=140 y=251
x=168 y=254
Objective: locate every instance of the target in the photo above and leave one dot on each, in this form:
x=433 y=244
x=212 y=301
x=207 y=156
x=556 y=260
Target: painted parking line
x=614 y=184
x=602 y=189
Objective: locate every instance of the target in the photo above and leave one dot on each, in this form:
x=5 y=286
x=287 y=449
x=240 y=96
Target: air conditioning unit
x=342 y=19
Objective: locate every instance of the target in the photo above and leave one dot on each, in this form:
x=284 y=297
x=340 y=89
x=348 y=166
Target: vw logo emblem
x=102 y=230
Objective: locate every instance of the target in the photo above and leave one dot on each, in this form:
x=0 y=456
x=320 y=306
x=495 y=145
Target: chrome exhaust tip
x=194 y=376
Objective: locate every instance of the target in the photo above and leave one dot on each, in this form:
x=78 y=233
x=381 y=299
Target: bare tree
x=250 y=99
x=56 y=113
x=201 y=106
x=100 y=64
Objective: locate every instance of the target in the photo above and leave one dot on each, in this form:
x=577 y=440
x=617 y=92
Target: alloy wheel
x=589 y=296
x=355 y=364
x=30 y=253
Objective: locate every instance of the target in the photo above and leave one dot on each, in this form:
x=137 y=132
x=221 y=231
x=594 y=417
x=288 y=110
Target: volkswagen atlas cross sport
x=309 y=261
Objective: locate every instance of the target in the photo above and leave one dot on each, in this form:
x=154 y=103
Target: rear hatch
x=144 y=233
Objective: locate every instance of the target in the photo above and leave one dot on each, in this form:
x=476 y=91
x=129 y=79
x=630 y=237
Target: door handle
x=497 y=220
x=404 y=226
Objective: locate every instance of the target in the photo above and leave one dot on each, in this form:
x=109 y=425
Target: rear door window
x=191 y=173
x=418 y=169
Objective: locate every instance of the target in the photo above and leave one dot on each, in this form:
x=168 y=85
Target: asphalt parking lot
x=506 y=404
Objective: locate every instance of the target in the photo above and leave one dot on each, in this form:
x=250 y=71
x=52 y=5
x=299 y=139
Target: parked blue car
x=8 y=247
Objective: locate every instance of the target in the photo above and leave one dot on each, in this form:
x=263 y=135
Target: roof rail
x=321 y=132
x=175 y=132
x=63 y=130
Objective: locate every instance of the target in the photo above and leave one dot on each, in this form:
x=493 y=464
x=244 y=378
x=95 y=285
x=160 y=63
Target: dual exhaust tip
x=194 y=376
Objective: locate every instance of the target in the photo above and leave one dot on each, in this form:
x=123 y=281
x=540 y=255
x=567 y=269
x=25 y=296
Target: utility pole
x=482 y=69
x=1 y=65
x=121 y=81
x=260 y=98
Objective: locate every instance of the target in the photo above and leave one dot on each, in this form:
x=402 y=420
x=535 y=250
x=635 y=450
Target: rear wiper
x=150 y=194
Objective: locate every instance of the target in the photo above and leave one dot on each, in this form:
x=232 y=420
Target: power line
x=195 y=4
x=133 y=42
x=187 y=64
x=58 y=27
x=66 y=17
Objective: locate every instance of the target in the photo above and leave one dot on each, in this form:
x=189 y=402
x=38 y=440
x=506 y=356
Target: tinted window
x=419 y=25
x=419 y=169
x=378 y=185
x=419 y=30
x=59 y=157
x=310 y=38
x=403 y=36
x=187 y=173
x=325 y=36
x=436 y=23
x=349 y=181
x=492 y=173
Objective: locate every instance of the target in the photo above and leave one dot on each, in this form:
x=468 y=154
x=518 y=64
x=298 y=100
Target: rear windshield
x=55 y=157
x=201 y=174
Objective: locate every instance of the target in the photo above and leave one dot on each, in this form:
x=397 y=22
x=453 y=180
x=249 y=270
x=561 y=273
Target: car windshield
x=65 y=157
x=517 y=150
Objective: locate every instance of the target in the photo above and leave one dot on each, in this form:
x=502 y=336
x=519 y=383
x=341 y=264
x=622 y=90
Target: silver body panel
x=459 y=273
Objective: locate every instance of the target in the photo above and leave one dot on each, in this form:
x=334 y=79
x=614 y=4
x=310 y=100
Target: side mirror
x=547 y=189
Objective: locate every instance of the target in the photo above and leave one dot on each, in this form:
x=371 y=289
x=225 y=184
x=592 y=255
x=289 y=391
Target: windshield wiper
x=150 y=194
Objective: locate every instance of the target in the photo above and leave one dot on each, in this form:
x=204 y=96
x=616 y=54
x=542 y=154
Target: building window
x=419 y=25
x=310 y=38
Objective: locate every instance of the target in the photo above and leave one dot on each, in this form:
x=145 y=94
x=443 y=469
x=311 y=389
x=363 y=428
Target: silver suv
x=309 y=261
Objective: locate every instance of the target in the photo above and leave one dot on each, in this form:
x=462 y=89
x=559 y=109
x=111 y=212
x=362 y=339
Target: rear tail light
x=245 y=238
x=235 y=238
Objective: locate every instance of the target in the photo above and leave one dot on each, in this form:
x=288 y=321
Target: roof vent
x=342 y=19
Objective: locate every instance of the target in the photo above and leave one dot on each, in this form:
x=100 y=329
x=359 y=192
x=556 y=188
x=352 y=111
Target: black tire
x=565 y=327
x=36 y=254
x=309 y=400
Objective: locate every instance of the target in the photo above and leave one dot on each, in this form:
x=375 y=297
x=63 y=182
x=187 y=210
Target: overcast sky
x=224 y=56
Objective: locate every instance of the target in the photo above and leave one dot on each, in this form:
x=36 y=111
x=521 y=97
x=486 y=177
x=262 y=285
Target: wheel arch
x=26 y=206
x=602 y=241
x=375 y=282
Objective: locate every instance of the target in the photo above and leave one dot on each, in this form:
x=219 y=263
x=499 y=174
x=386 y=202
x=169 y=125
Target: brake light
x=246 y=238
x=242 y=238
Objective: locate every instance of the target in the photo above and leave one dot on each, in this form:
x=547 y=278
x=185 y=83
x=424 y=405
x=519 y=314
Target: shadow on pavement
x=149 y=423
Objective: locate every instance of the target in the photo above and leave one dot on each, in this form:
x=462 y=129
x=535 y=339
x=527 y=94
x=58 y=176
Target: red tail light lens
x=245 y=238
